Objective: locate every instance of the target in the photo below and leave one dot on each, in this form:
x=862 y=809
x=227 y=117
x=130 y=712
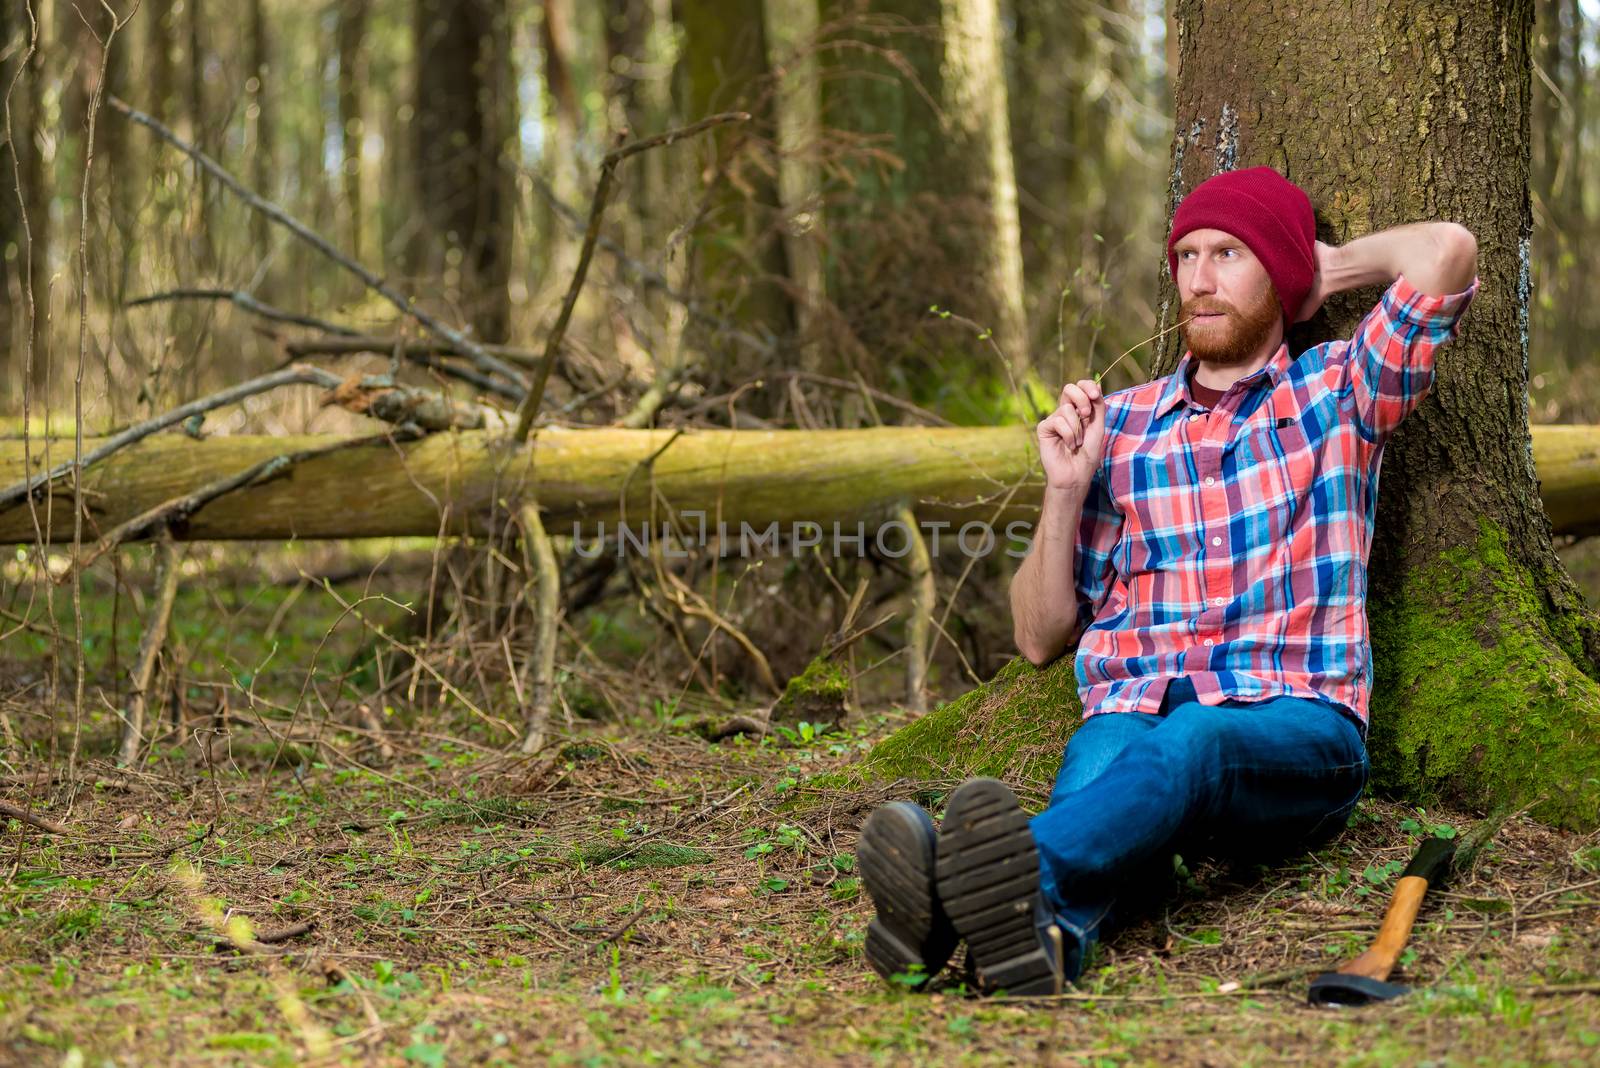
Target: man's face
x=1228 y=293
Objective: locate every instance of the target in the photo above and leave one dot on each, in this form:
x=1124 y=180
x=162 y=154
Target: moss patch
x=1479 y=698
x=816 y=695
x=645 y=855
x=1013 y=726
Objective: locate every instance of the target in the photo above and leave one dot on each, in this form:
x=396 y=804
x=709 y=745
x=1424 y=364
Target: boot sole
x=988 y=880
x=896 y=859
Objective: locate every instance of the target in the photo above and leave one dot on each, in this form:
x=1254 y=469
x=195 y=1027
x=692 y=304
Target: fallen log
x=449 y=482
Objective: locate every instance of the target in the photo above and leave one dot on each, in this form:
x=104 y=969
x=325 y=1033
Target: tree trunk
x=34 y=188
x=641 y=55
x=979 y=164
x=464 y=117
x=791 y=31
x=562 y=136
x=577 y=475
x=1080 y=96
x=950 y=473
x=914 y=101
x=203 y=213
x=1484 y=652
x=160 y=30
x=739 y=256
x=352 y=79
x=260 y=119
x=117 y=167
x=12 y=242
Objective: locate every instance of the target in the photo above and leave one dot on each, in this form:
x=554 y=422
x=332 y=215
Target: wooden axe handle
x=1430 y=865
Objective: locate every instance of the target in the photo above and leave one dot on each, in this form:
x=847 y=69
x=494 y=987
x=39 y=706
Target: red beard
x=1235 y=337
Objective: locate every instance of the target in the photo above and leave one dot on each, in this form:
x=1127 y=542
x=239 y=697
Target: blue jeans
x=1245 y=780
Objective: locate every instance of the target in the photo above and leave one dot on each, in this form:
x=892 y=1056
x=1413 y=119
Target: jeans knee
x=1094 y=745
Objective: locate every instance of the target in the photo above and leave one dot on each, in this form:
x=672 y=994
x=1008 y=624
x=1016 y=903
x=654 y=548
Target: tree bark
x=979 y=164
x=791 y=32
x=202 y=222
x=12 y=241
x=1485 y=655
x=30 y=188
x=352 y=79
x=448 y=481
x=464 y=118
x=1080 y=95
x=641 y=55
x=559 y=157
x=739 y=258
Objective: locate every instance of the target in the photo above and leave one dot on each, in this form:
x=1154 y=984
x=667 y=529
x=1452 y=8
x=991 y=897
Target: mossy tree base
x=1013 y=727
x=816 y=695
x=1483 y=693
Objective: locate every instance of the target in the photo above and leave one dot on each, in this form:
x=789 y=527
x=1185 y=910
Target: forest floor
x=635 y=894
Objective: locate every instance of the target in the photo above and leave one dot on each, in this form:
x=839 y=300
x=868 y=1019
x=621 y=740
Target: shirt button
x=1216 y=541
x=1210 y=481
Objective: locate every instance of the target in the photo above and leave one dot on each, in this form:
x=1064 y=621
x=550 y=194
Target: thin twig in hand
x=602 y=193
x=1154 y=337
x=480 y=358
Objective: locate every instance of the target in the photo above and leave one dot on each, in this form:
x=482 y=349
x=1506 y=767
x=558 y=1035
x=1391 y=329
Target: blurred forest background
x=1005 y=162
x=1014 y=177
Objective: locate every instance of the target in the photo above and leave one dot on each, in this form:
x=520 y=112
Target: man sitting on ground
x=1214 y=525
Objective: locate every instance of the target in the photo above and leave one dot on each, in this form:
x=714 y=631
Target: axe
x=1364 y=980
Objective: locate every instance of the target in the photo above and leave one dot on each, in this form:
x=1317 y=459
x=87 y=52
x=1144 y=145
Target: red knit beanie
x=1266 y=211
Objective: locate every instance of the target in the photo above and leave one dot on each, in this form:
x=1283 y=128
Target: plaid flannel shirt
x=1230 y=545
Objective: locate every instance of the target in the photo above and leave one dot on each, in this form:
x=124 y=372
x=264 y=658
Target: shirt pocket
x=1275 y=469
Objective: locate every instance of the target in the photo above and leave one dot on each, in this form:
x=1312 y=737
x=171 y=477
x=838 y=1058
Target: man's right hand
x=1072 y=438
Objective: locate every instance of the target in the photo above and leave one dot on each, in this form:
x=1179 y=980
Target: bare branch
x=351 y=344
x=298 y=375
x=480 y=358
x=179 y=509
x=150 y=646
x=602 y=193
x=248 y=303
x=33 y=819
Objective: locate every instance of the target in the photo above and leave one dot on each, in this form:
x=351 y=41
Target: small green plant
x=1380 y=874
x=913 y=977
x=614 y=991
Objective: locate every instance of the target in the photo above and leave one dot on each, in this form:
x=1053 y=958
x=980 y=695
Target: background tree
x=27 y=219
x=352 y=80
x=1081 y=97
x=739 y=260
x=916 y=90
x=464 y=113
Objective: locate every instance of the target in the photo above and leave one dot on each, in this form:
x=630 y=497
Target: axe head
x=1335 y=990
